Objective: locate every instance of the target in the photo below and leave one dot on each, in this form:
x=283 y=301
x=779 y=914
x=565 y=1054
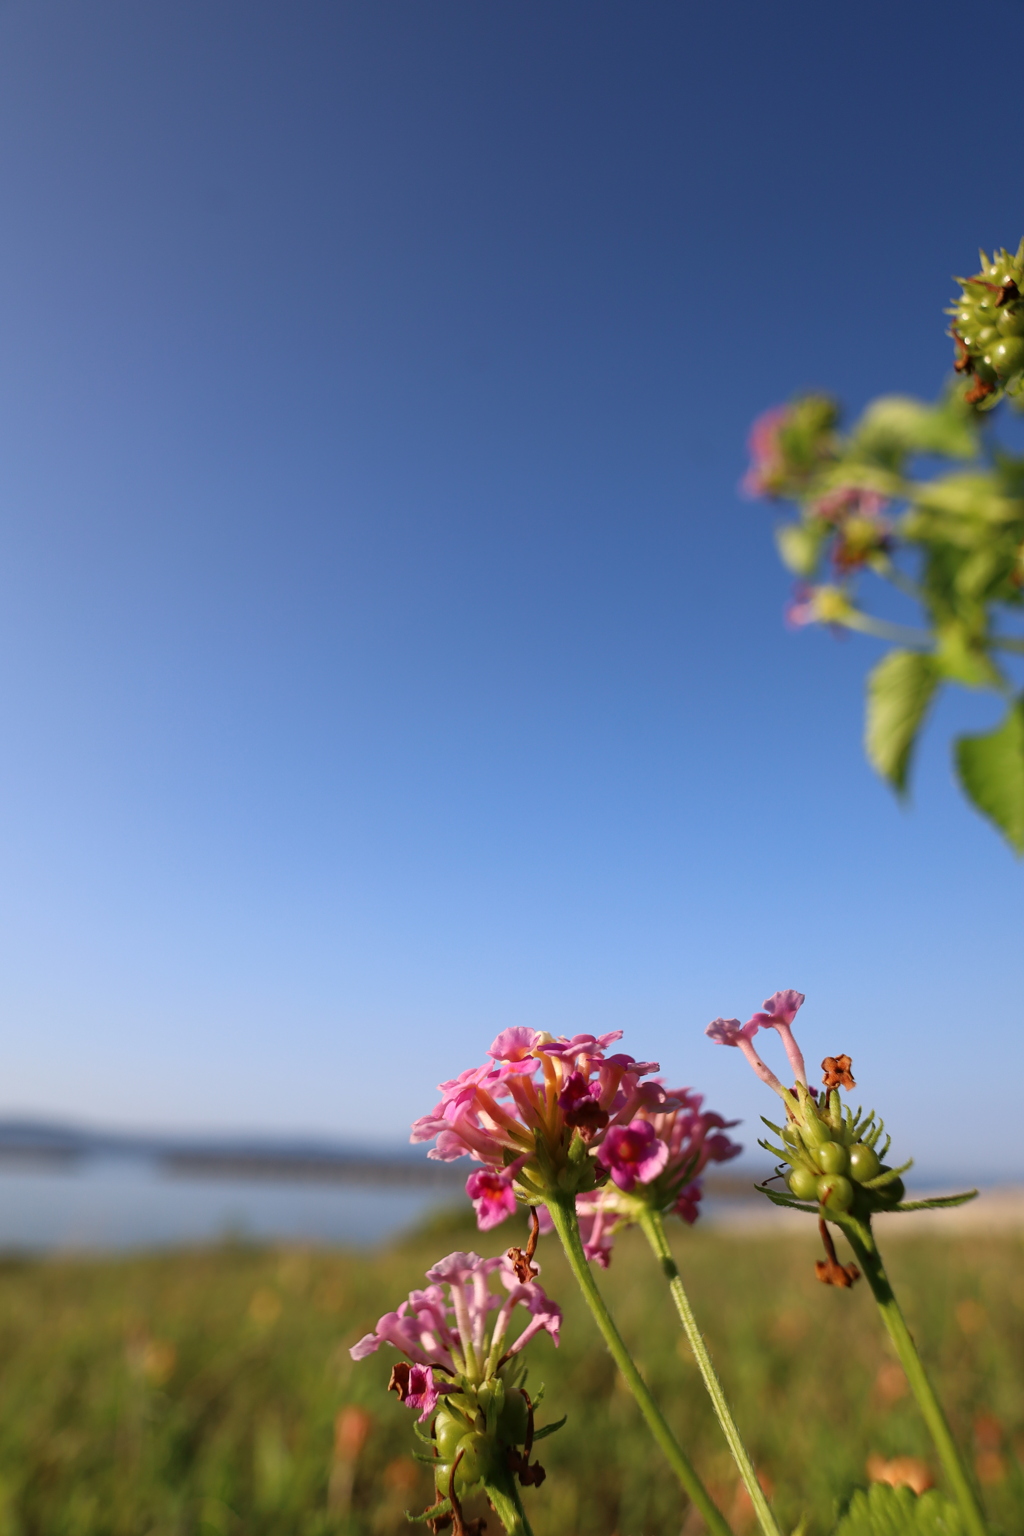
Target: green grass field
x=200 y=1391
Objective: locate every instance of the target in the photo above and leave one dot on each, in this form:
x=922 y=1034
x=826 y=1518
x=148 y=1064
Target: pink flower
x=416 y=1388
x=848 y=501
x=803 y=607
x=450 y=1333
x=523 y=1107
x=780 y=1008
x=688 y=1200
x=513 y=1044
x=694 y=1138
x=633 y=1154
x=766 y=474
x=725 y=1031
x=492 y=1191
x=779 y=1012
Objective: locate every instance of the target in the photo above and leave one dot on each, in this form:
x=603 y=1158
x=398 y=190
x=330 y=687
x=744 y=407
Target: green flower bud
x=442 y=1477
x=833 y=1158
x=803 y=1184
x=834 y=1192
x=864 y=1163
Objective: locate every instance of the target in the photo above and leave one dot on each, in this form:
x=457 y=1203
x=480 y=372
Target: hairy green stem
x=654 y=1230
x=896 y=1325
x=563 y=1215
x=507 y=1505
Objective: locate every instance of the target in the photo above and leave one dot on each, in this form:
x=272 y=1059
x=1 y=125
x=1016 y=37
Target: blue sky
x=386 y=656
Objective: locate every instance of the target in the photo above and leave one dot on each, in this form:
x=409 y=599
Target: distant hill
x=263 y=1157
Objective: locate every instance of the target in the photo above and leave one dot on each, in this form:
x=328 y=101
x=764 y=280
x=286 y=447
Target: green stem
x=931 y=1409
x=654 y=1230
x=507 y=1505
x=881 y=629
x=564 y=1218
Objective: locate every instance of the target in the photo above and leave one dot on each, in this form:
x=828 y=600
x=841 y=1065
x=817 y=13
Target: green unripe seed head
x=512 y=1424
x=476 y=1460
x=1011 y=321
x=1007 y=356
x=449 y=1428
x=864 y=1163
x=889 y=1194
x=815 y=1132
x=833 y=1158
x=834 y=1192
x=803 y=1184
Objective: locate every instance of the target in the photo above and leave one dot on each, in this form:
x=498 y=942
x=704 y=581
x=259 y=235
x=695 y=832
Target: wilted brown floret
x=837 y=1072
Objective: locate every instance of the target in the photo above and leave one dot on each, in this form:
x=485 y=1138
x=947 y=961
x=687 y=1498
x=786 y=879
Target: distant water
x=125 y=1202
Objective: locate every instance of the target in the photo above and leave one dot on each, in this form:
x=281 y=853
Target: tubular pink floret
x=779 y=1012
x=532 y=1096
x=633 y=1154
x=449 y=1332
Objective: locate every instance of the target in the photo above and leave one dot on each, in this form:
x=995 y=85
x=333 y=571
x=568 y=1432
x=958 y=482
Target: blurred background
x=387 y=657
x=386 y=654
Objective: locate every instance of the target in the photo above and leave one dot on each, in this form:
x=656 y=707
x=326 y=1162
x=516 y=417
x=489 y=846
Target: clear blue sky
x=385 y=654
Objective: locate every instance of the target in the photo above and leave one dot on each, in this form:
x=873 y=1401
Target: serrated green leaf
x=900 y=690
x=937 y=1202
x=897 y=425
x=885 y=1511
x=991 y=771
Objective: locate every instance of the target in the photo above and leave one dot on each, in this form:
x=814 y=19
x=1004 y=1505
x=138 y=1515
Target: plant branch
x=654 y=1231
x=881 y=629
x=931 y=1409
x=563 y=1216
x=507 y=1505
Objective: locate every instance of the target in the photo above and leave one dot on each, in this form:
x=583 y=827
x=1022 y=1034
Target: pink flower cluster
x=517 y=1114
x=767 y=471
x=848 y=501
x=450 y=1335
x=779 y=1012
x=663 y=1154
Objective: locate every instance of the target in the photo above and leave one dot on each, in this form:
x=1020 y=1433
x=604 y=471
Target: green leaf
x=896 y=425
x=937 y=1202
x=960 y=659
x=991 y=770
x=886 y=1511
x=900 y=690
x=550 y=1429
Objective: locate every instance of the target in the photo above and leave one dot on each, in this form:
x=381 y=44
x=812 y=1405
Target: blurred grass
x=200 y=1391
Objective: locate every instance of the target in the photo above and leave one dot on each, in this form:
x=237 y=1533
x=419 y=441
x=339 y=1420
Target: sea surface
x=120 y=1202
